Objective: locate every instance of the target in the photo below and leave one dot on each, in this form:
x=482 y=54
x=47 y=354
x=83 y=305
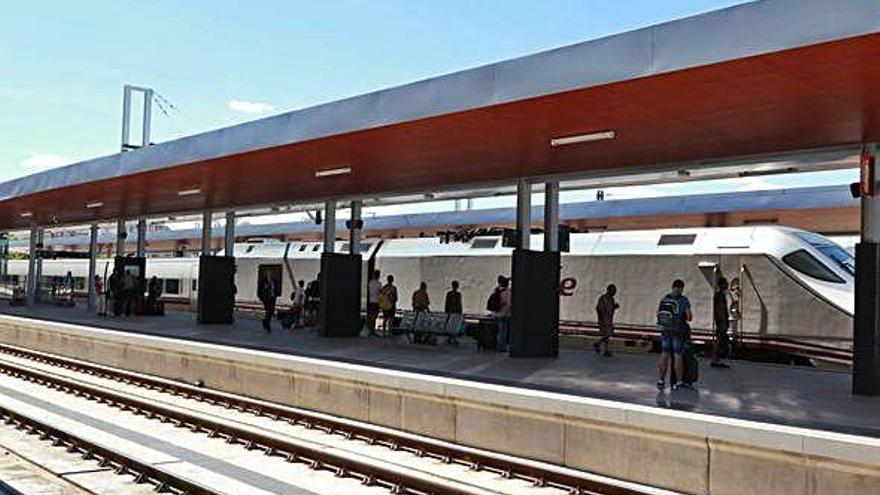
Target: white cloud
x=44 y=161
x=243 y=106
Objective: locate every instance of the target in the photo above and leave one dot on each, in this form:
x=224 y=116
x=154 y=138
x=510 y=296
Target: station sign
x=868 y=169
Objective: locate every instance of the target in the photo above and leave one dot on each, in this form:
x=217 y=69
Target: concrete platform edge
x=688 y=452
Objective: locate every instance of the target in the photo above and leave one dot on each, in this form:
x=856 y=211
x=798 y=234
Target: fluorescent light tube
x=333 y=171
x=583 y=138
x=190 y=192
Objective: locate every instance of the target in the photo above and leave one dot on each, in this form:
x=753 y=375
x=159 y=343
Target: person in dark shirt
x=453 y=300
x=605 y=308
x=267 y=293
x=420 y=299
x=721 y=315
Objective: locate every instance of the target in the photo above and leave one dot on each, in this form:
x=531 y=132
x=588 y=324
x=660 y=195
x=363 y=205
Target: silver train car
x=788 y=285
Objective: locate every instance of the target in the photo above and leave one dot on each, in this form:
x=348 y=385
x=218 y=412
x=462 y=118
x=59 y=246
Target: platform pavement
x=780 y=394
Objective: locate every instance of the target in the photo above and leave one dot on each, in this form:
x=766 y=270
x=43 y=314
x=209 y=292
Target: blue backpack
x=669 y=314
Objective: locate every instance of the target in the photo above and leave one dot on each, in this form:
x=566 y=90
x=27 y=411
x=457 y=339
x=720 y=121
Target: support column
x=229 y=234
x=523 y=214
x=121 y=234
x=340 y=282
x=141 y=249
x=330 y=226
x=38 y=275
x=534 y=319
x=866 y=324
x=93 y=266
x=207 y=217
x=31 y=289
x=216 y=289
x=551 y=217
x=355 y=226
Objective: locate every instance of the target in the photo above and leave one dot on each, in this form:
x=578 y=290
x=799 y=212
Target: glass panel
x=806 y=263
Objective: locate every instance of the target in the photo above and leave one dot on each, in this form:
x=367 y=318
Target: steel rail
x=504 y=465
x=162 y=481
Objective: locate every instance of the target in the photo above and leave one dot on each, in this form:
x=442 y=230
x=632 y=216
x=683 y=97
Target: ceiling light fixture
x=94 y=204
x=190 y=192
x=583 y=138
x=333 y=171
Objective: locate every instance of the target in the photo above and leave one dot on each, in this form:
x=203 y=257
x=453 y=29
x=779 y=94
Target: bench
x=423 y=327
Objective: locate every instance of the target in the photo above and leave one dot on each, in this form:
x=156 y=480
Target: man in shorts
x=605 y=308
x=673 y=315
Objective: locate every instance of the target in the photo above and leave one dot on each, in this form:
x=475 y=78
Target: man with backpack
x=673 y=314
x=388 y=304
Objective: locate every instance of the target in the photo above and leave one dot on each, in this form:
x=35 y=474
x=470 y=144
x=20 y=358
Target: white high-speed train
x=788 y=285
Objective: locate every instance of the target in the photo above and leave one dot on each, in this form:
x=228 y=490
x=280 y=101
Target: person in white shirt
x=374 y=287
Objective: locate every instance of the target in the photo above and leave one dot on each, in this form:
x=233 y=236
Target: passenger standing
x=605 y=308
x=299 y=302
x=68 y=286
x=114 y=285
x=721 y=315
x=374 y=286
x=420 y=300
x=154 y=289
x=499 y=305
x=100 y=297
x=313 y=301
x=673 y=315
x=128 y=291
x=267 y=294
x=453 y=300
x=388 y=304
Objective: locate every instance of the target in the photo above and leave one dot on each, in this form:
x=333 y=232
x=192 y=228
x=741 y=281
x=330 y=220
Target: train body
x=785 y=283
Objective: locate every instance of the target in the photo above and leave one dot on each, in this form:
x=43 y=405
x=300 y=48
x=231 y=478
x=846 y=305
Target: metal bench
x=423 y=327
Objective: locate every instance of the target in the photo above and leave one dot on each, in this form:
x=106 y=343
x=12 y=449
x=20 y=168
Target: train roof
x=777 y=199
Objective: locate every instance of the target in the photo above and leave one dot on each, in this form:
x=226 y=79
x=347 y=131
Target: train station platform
x=778 y=394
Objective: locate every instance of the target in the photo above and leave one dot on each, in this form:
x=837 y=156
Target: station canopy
x=768 y=77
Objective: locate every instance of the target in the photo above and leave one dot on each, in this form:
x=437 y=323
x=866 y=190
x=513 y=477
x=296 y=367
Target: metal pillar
x=551 y=217
x=32 y=267
x=229 y=234
x=126 y=116
x=38 y=275
x=121 y=234
x=330 y=226
x=355 y=226
x=207 y=217
x=866 y=324
x=523 y=214
x=141 y=237
x=93 y=266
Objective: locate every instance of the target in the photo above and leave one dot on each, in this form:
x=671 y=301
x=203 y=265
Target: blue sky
x=224 y=62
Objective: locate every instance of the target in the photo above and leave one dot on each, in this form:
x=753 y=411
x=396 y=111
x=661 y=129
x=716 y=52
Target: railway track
x=373 y=456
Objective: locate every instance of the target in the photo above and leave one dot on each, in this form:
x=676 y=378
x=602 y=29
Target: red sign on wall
x=867 y=165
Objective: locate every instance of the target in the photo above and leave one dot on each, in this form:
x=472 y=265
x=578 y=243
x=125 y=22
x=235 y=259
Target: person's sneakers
x=661 y=385
x=607 y=354
x=682 y=385
x=596 y=347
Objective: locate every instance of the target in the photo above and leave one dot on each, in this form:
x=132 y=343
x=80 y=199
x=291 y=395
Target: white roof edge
x=741 y=31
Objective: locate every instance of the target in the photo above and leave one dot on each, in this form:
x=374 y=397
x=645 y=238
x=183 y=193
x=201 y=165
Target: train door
x=274 y=271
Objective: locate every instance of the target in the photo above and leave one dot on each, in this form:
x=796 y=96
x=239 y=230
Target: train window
x=303 y=247
x=831 y=250
x=677 y=239
x=172 y=286
x=806 y=263
x=195 y=285
x=317 y=247
x=484 y=243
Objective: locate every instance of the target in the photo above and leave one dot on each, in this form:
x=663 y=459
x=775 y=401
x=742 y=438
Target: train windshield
x=830 y=250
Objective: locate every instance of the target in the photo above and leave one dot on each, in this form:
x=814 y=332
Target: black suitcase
x=691 y=365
